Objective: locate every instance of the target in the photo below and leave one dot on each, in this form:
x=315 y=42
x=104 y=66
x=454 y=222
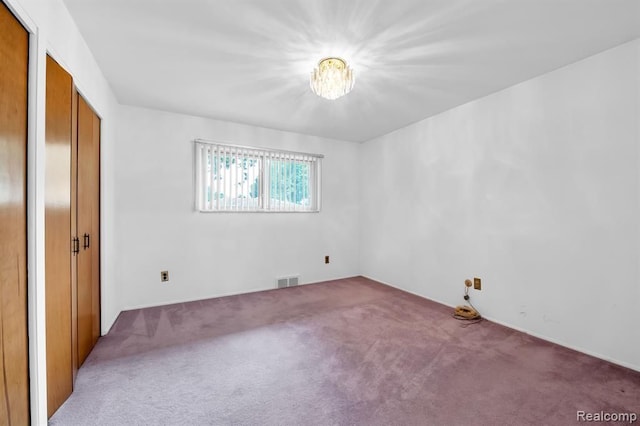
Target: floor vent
x=287 y=281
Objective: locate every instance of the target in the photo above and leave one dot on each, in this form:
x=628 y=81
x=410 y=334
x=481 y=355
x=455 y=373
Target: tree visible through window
x=233 y=178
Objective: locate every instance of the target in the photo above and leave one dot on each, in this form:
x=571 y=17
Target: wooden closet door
x=88 y=229
x=74 y=233
x=58 y=234
x=14 y=354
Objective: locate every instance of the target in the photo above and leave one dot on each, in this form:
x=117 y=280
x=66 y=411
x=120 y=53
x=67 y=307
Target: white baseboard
x=530 y=333
x=110 y=324
x=195 y=299
x=209 y=296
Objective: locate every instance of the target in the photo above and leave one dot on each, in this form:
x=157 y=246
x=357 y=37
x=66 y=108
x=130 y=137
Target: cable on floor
x=469 y=314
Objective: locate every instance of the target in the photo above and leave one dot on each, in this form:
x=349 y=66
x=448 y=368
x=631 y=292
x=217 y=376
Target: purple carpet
x=345 y=352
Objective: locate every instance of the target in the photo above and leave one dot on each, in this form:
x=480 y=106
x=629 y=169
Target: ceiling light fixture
x=332 y=78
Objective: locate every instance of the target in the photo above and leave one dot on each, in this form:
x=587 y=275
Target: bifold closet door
x=88 y=216
x=74 y=232
x=58 y=238
x=14 y=354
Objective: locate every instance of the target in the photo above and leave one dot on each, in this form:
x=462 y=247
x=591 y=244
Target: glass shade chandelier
x=332 y=78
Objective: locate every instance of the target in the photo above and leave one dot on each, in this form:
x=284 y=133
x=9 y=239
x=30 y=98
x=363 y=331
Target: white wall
x=213 y=254
x=535 y=190
x=53 y=31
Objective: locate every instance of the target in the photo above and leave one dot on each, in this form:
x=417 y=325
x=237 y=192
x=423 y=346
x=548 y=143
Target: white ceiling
x=249 y=61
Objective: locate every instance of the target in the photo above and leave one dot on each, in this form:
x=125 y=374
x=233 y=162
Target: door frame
x=35 y=216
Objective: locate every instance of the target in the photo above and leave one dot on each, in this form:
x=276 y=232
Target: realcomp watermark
x=603 y=416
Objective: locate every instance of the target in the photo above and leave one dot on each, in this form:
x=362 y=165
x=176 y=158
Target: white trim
x=104 y=329
x=256 y=148
x=232 y=293
x=565 y=345
x=36 y=230
x=22 y=15
x=103 y=235
x=256 y=211
x=197 y=299
x=318 y=180
x=522 y=330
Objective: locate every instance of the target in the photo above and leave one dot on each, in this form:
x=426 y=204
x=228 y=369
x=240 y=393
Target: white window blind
x=231 y=178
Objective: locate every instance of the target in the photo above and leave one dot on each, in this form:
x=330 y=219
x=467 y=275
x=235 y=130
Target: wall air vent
x=287 y=281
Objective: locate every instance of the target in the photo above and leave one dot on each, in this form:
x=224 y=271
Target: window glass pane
x=290 y=184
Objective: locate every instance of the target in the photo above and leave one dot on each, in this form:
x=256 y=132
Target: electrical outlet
x=477 y=283
x=326 y=259
x=164 y=276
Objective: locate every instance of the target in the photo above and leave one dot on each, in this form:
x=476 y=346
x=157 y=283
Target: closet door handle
x=87 y=241
x=75 y=245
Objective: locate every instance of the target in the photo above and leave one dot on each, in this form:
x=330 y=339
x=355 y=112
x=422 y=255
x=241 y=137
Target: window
x=233 y=178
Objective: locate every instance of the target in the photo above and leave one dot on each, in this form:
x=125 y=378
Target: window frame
x=266 y=156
